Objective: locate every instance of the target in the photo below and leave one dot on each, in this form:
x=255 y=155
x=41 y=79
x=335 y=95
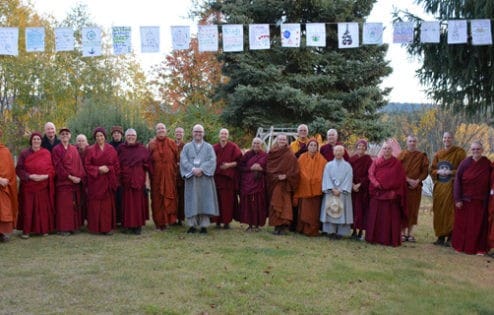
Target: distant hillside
x=404 y=107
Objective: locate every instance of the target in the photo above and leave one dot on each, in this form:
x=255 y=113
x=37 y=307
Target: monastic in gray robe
x=200 y=191
x=337 y=174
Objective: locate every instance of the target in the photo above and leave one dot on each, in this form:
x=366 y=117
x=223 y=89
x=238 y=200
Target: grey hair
x=130 y=130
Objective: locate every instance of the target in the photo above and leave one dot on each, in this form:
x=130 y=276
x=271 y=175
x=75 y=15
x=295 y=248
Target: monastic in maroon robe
x=387 y=211
x=180 y=188
x=281 y=161
x=36 y=199
x=226 y=181
x=84 y=197
x=327 y=151
x=134 y=163
x=253 y=205
x=490 y=232
x=471 y=187
x=360 y=198
x=101 y=215
x=164 y=168
x=68 y=195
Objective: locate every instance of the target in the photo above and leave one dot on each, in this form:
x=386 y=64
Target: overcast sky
x=165 y=13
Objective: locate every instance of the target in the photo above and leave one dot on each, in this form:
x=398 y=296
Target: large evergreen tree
x=323 y=87
x=457 y=76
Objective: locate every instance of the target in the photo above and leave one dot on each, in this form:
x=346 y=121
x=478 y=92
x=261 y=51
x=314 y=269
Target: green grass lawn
x=232 y=272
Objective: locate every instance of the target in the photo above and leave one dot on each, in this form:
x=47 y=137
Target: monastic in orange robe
x=416 y=165
x=442 y=195
x=309 y=192
x=8 y=194
x=281 y=161
x=164 y=167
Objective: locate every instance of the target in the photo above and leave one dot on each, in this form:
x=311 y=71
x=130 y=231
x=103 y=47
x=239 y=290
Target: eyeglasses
x=475 y=149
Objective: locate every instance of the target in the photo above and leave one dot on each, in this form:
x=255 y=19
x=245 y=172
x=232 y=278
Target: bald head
x=160 y=130
x=448 y=139
x=198 y=133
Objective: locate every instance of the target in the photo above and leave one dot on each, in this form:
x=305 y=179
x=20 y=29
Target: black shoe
x=203 y=230
x=137 y=231
x=439 y=241
x=218 y=225
x=226 y=226
x=447 y=243
x=191 y=230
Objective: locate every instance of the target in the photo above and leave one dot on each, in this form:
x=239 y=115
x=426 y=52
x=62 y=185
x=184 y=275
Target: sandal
x=404 y=238
x=411 y=238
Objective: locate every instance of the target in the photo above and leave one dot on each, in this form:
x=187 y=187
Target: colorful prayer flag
x=207 y=37
x=259 y=37
x=35 y=39
x=150 y=39
x=290 y=35
x=91 y=42
x=233 y=37
x=348 y=35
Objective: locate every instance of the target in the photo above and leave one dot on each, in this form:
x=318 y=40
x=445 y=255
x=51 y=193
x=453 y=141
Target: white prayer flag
x=180 y=37
x=35 y=39
x=9 y=41
x=315 y=34
x=481 y=32
x=233 y=37
x=457 y=32
x=259 y=36
x=372 y=34
x=150 y=39
x=207 y=37
x=290 y=35
x=64 y=39
x=348 y=36
x=91 y=42
x=429 y=32
x=122 y=43
x=403 y=32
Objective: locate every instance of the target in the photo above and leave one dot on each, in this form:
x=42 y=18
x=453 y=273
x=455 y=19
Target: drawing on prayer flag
x=233 y=37
x=481 y=32
x=64 y=39
x=122 y=43
x=315 y=34
x=91 y=42
x=35 y=39
x=9 y=41
x=180 y=37
x=457 y=32
x=259 y=36
x=150 y=39
x=207 y=37
x=429 y=32
x=348 y=35
x=372 y=34
x=290 y=35
x=403 y=32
